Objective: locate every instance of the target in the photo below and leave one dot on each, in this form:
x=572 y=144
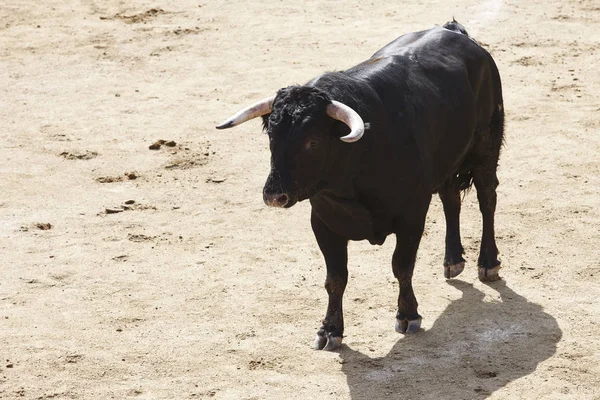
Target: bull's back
x=437 y=87
x=432 y=40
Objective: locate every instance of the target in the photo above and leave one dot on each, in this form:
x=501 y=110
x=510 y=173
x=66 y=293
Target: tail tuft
x=464 y=181
x=456 y=27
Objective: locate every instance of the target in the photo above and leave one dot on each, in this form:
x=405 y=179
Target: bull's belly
x=351 y=220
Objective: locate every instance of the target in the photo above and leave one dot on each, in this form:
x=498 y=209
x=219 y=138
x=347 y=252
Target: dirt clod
x=155 y=145
x=136 y=18
x=215 y=180
x=140 y=238
x=87 y=155
x=44 y=226
x=73 y=358
x=486 y=374
x=118 y=178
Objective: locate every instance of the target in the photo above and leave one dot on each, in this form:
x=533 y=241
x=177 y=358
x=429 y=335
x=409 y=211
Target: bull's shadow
x=473 y=349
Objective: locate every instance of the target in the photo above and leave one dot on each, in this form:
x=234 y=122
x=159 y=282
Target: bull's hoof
x=489 y=274
x=407 y=326
x=450 y=271
x=325 y=341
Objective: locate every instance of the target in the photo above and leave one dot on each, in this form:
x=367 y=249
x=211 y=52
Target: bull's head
x=301 y=124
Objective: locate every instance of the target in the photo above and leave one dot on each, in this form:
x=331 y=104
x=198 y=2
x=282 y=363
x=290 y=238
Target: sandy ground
x=197 y=289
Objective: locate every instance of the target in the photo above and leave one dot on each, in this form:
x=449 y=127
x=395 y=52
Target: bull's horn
x=347 y=115
x=257 y=109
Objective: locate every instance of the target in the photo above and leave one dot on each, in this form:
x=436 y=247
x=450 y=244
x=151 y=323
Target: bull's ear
x=265 y=121
x=340 y=129
x=347 y=115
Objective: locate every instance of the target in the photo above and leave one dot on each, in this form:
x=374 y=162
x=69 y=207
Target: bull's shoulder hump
x=430 y=40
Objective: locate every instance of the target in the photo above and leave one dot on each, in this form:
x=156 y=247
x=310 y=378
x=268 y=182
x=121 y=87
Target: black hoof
x=326 y=341
x=450 y=271
x=489 y=274
x=406 y=326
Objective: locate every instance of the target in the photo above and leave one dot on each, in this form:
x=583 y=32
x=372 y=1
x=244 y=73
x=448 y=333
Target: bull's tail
x=464 y=178
x=456 y=27
x=464 y=181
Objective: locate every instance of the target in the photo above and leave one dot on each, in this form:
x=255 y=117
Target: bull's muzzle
x=276 y=199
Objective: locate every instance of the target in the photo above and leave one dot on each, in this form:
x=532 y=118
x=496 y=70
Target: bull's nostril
x=282 y=199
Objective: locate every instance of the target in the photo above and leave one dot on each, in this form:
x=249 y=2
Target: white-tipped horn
x=347 y=115
x=257 y=109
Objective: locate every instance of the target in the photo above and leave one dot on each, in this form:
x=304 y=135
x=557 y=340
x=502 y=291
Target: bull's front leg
x=408 y=238
x=335 y=252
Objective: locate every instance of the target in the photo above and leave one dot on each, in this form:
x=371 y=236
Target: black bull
x=433 y=120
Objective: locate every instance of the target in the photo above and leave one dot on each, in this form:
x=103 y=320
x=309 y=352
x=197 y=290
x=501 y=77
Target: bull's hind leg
x=486 y=182
x=335 y=252
x=454 y=263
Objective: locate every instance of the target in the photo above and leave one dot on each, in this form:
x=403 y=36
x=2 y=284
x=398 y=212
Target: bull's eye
x=311 y=144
